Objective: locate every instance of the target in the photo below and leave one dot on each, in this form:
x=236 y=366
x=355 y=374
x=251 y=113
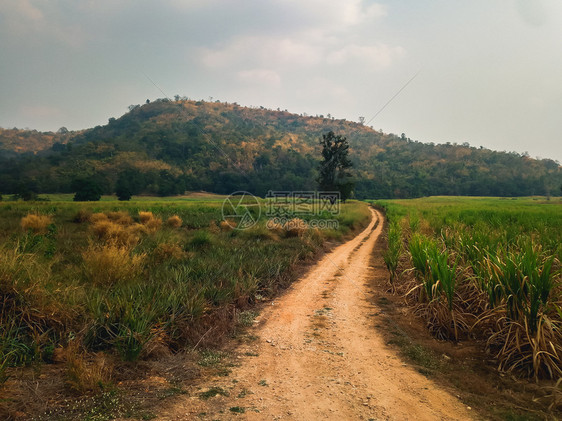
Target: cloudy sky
x=489 y=72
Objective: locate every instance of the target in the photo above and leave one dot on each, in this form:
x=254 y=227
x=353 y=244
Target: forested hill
x=167 y=147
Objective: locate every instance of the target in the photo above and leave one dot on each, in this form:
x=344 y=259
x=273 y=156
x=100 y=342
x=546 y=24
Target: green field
x=125 y=278
x=487 y=268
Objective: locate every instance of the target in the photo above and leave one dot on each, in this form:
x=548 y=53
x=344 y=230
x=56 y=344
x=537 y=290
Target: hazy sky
x=489 y=72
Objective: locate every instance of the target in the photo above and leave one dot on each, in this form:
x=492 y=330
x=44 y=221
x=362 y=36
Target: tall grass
x=393 y=252
x=496 y=262
x=112 y=277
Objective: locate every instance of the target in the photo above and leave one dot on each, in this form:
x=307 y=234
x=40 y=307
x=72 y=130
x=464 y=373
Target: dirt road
x=318 y=356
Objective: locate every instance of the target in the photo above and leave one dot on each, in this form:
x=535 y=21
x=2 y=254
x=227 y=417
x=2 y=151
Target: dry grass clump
x=167 y=251
x=315 y=236
x=226 y=226
x=174 y=221
x=36 y=223
x=151 y=222
x=214 y=228
x=85 y=374
x=144 y=217
x=121 y=217
x=97 y=217
x=112 y=232
x=275 y=227
x=137 y=229
x=83 y=215
x=296 y=227
x=111 y=264
x=120 y=229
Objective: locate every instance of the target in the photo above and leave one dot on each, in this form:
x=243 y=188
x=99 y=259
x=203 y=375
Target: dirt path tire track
x=319 y=357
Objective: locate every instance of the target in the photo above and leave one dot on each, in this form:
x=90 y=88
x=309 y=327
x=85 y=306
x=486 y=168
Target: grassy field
x=129 y=278
x=486 y=268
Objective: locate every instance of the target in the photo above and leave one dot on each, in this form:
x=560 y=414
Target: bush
x=121 y=217
x=166 y=251
x=201 y=239
x=87 y=190
x=83 y=215
x=227 y=225
x=36 y=223
x=296 y=227
x=96 y=217
x=174 y=221
x=87 y=374
x=111 y=264
x=151 y=222
x=113 y=233
x=144 y=217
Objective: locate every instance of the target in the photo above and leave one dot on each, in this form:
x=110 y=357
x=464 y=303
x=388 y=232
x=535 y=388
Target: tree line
x=167 y=147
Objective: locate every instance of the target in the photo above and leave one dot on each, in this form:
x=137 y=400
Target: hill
x=167 y=147
x=14 y=142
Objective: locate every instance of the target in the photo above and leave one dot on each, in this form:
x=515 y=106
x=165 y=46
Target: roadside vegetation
x=487 y=269
x=92 y=285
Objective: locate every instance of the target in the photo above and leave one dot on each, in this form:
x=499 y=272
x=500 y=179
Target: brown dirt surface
x=318 y=356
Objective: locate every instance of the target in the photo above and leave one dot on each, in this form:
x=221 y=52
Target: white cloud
x=354 y=12
x=263 y=51
x=20 y=10
x=320 y=87
x=375 y=56
x=260 y=76
x=291 y=53
x=33 y=24
x=337 y=15
x=326 y=35
x=532 y=12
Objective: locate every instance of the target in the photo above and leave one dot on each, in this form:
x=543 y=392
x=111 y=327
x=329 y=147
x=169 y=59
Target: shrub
x=275 y=227
x=174 y=221
x=214 y=228
x=87 y=374
x=87 y=190
x=111 y=264
x=137 y=229
x=201 y=239
x=113 y=233
x=83 y=215
x=144 y=217
x=121 y=217
x=36 y=223
x=151 y=222
x=96 y=217
x=296 y=227
x=166 y=251
x=226 y=226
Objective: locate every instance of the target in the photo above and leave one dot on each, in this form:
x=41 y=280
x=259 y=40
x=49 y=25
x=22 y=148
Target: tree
x=334 y=174
x=123 y=189
x=87 y=190
x=129 y=182
x=27 y=190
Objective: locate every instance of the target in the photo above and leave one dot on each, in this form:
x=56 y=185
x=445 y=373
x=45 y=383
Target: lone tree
x=87 y=190
x=334 y=174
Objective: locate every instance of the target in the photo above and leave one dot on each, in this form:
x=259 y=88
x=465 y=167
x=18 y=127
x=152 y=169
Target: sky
x=486 y=72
